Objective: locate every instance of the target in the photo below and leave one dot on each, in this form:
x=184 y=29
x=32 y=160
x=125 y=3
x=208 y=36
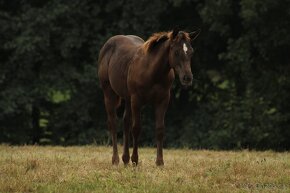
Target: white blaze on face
x=185 y=48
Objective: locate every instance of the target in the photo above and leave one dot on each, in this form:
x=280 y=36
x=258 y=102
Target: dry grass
x=88 y=169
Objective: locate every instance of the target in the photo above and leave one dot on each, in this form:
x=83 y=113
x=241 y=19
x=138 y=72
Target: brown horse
x=142 y=72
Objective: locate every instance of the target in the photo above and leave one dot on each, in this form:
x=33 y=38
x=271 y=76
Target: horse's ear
x=175 y=32
x=193 y=35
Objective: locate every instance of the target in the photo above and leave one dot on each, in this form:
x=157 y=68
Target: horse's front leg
x=136 y=126
x=160 y=109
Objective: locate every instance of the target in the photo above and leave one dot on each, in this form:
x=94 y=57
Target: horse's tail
x=104 y=60
x=105 y=53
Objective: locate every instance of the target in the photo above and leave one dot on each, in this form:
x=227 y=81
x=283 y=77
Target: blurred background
x=240 y=97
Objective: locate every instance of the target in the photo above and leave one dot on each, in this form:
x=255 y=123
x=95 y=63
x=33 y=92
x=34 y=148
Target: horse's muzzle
x=186 y=81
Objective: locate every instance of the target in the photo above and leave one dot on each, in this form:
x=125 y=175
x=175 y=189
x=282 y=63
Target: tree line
x=49 y=92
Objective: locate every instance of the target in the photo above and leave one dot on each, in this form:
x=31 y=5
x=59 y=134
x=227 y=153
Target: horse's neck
x=159 y=64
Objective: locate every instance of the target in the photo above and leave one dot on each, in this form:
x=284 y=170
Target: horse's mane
x=155 y=39
x=158 y=38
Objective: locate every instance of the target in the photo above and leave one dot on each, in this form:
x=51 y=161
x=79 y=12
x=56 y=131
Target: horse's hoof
x=159 y=163
x=115 y=160
x=126 y=159
x=134 y=160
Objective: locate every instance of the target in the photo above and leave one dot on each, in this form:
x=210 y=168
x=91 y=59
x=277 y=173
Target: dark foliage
x=49 y=90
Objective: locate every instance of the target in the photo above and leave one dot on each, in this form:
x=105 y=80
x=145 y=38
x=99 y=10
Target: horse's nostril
x=187 y=79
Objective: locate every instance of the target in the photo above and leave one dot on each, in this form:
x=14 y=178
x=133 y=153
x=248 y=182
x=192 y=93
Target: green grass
x=88 y=169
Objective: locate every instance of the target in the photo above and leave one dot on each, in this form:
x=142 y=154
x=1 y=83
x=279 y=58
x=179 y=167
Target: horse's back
x=114 y=60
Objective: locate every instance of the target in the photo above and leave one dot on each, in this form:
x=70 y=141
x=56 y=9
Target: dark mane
x=160 y=37
x=155 y=39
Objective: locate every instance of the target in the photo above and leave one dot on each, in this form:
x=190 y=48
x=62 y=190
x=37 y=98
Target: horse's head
x=180 y=55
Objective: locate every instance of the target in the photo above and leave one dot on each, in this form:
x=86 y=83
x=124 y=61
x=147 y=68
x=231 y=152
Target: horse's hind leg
x=136 y=127
x=127 y=127
x=112 y=101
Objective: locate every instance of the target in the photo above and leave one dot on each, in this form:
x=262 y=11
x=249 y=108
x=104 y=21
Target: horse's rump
x=114 y=60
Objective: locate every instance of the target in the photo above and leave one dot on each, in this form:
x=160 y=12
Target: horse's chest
x=153 y=92
x=150 y=88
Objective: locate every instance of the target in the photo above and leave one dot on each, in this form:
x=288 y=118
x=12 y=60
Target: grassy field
x=88 y=169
